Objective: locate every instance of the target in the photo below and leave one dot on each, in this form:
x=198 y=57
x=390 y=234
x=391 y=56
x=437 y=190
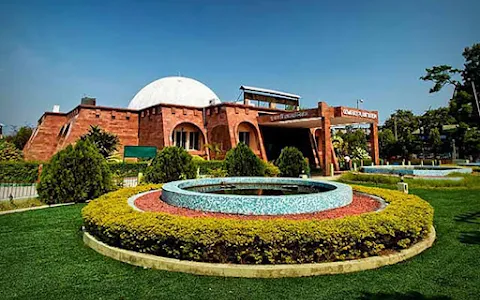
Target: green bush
x=271 y=170
x=170 y=164
x=405 y=221
x=373 y=178
x=217 y=172
x=467 y=181
x=291 y=162
x=106 y=142
x=241 y=161
x=8 y=152
x=366 y=162
x=75 y=174
x=19 y=172
x=206 y=165
x=128 y=169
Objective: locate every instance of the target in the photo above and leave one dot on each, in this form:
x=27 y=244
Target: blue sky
x=54 y=52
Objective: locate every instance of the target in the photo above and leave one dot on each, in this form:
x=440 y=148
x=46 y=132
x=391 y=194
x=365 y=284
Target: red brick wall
x=174 y=116
x=43 y=142
x=238 y=115
x=120 y=122
x=217 y=128
x=151 y=128
x=76 y=123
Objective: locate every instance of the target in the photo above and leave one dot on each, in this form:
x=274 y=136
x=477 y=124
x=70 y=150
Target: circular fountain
x=257 y=195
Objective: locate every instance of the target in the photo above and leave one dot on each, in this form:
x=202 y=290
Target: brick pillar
x=320 y=151
x=374 y=143
x=327 y=146
x=261 y=144
x=326 y=138
x=40 y=170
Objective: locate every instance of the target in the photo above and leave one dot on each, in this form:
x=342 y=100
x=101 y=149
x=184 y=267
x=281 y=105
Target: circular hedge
x=405 y=221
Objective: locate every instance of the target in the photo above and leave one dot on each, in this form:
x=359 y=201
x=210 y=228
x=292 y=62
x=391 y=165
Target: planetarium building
x=186 y=113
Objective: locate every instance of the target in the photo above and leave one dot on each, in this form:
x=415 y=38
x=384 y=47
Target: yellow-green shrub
x=406 y=220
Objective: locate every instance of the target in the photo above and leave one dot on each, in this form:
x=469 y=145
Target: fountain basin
x=257 y=195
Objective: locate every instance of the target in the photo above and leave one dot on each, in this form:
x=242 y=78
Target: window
x=193 y=141
x=180 y=139
x=187 y=138
x=244 y=137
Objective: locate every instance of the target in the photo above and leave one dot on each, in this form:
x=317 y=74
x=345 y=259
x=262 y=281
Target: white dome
x=174 y=90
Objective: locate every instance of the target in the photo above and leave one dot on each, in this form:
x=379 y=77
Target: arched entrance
x=248 y=134
x=189 y=137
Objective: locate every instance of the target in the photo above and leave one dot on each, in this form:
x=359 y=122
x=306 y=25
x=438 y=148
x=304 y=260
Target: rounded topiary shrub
x=241 y=161
x=271 y=170
x=291 y=162
x=170 y=164
x=8 y=152
x=75 y=174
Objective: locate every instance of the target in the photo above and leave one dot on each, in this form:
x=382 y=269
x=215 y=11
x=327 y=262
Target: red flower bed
x=360 y=204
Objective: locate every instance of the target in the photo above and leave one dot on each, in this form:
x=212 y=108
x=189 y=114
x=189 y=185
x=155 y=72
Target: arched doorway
x=248 y=134
x=189 y=137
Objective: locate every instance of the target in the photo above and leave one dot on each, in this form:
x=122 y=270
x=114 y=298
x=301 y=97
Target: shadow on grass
x=470 y=237
x=400 y=296
x=472 y=217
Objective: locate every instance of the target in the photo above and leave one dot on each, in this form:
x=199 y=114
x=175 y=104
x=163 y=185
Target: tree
x=75 y=174
x=436 y=118
x=441 y=76
x=471 y=142
x=170 y=164
x=106 y=142
x=214 y=149
x=291 y=162
x=462 y=106
x=8 y=152
x=20 y=137
x=241 y=161
x=387 y=143
x=350 y=141
x=435 y=141
x=404 y=122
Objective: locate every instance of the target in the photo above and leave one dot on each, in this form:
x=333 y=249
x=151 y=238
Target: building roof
x=174 y=90
x=267 y=91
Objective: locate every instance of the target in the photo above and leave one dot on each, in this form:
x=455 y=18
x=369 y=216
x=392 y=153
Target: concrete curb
x=33 y=208
x=256 y=271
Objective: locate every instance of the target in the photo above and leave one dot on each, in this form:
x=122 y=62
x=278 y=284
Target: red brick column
x=326 y=138
x=374 y=143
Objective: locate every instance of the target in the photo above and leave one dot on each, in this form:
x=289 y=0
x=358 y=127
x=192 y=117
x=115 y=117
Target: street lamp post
x=359 y=101
x=475 y=95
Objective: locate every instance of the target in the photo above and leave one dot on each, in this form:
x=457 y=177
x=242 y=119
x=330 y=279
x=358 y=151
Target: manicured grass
x=20 y=203
x=42 y=256
x=469 y=181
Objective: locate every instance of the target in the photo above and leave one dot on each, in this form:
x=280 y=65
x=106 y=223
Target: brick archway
x=187 y=137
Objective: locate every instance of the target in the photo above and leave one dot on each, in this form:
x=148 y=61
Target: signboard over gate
x=359 y=113
x=309 y=113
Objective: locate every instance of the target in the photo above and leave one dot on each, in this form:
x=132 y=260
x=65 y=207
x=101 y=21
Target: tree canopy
x=106 y=142
x=434 y=131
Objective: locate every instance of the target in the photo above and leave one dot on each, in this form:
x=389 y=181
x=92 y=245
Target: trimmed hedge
x=468 y=181
x=206 y=165
x=373 y=178
x=128 y=169
x=18 y=172
x=401 y=224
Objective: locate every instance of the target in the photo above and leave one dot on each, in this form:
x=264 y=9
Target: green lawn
x=42 y=256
